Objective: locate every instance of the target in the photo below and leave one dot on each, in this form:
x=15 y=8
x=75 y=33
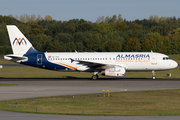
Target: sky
x=90 y=10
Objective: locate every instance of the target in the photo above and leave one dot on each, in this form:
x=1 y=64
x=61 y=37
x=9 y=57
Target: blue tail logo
x=19 y=41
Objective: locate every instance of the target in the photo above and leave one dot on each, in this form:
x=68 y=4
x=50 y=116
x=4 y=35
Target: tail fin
x=19 y=43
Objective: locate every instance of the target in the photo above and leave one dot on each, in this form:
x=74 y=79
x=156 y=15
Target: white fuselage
x=132 y=61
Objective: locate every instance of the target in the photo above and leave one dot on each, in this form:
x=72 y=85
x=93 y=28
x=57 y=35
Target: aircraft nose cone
x=175 y=64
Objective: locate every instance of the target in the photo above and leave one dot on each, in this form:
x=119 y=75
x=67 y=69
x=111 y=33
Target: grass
x=3 y=61
x=31 y=72
x=175 y=57
x=8 y=84
x=159 y=74
x=143 y=103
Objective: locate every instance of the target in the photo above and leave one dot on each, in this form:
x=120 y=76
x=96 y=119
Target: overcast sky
x=91 y=9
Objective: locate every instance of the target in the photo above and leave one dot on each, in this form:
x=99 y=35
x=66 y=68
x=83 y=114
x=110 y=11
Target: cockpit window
x=166 y=58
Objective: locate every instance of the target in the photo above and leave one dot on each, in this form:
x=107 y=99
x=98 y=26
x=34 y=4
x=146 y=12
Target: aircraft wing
x=95 y=65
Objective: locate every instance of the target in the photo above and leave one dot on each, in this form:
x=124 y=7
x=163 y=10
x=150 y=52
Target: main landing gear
x=153 y=75
x=95 y=76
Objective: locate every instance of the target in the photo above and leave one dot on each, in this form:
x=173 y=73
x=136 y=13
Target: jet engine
x=114 y=71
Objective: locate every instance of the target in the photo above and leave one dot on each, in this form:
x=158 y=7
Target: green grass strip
x=31 y=72
x=140 y=103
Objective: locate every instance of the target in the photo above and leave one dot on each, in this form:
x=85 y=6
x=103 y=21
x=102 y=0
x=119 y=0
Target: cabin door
x=39 y=59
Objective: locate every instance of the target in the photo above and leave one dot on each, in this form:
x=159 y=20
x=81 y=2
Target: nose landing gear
x=153 y=75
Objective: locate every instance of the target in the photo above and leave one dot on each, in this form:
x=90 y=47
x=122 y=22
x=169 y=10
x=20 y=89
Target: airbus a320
x=107 y=63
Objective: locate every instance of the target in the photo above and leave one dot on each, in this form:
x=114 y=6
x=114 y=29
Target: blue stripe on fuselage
x=32 y=60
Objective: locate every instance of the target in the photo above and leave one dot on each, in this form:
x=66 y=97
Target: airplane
x=114 y=64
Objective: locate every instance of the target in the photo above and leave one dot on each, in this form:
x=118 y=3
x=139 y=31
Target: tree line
x=107 y=34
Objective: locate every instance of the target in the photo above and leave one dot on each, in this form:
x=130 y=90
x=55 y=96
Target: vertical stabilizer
x=19 y=43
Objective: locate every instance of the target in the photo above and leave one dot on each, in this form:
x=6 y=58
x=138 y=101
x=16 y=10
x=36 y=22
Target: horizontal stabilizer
x=15 y=58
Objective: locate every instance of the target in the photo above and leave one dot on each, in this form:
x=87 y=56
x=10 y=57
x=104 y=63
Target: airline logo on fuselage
x=133 y=56
x=19 y=41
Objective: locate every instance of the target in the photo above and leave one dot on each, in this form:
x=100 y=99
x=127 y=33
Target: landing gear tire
x=95 y=77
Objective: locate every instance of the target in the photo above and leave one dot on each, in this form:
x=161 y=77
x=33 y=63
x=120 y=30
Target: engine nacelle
x=83 y=68
x=114 y=71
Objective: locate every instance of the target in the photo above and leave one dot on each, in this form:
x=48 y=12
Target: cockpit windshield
x=166 y=58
